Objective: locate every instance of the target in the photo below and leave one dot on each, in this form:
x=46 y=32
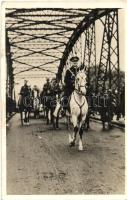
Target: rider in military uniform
x=55 y=88
x=69 y=80
x=24 y=89
x=47 y=86
x=24 y=99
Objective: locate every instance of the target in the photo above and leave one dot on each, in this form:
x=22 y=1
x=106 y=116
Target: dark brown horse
x=24 y=105
x=49 y=98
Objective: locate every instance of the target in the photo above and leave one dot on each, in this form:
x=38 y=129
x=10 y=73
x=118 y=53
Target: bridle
x=78 y=91
x=71 y=72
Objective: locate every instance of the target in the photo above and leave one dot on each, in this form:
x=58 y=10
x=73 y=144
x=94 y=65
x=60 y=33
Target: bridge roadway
x=39 y=160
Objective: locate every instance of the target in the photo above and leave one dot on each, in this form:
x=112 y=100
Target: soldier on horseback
x=69 y=80
x=24 y=89
x=55 y=98
x=47 y=87
x=25 y=95
x=24 y=103
x=46 y=98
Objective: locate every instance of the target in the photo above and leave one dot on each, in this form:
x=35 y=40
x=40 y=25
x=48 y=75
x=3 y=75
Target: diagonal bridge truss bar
x=83 y=25
x=108 y=72
x=90 y=56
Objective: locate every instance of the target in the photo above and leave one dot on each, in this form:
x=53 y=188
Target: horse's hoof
x=72 y=144
x=80 y=149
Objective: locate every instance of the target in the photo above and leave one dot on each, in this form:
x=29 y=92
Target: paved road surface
x=39 y=160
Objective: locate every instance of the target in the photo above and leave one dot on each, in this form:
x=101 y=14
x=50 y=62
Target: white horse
x=78 y=108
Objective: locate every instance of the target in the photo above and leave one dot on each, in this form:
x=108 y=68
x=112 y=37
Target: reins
x=80 y=106
x=72 y=73
x=80 y=93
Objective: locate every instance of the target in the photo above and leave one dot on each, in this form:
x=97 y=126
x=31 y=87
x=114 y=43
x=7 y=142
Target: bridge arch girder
x=83 y=25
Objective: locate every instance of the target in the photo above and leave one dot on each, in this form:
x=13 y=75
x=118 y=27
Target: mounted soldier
x=46 y=87
x=55 y=87
x=69 y=80
x=55 y=98
x=24 y=89
x=24 y=103
x=24 y=99
x=46 y=98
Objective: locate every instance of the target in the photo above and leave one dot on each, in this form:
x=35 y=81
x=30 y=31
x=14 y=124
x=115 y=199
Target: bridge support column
x=10 y=76
x=108 y=72
x=90 y=56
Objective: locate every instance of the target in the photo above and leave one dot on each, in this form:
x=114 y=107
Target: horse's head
x=80 y=82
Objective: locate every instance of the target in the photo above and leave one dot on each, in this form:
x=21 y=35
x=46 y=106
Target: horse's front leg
x=47 y=117
x=21 y=114
x=52 y=118
x=25 y=117
x=28 y=117
x=81 y=133
x=72 y=139
x=57 y=120
x=80 y=138
x=67 y=122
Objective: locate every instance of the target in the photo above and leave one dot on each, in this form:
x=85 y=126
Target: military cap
x=74 y=59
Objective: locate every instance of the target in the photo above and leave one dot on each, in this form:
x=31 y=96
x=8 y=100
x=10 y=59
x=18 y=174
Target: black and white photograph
x=65 y=100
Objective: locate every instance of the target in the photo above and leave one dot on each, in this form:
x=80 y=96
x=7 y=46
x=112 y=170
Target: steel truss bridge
x=40 y=43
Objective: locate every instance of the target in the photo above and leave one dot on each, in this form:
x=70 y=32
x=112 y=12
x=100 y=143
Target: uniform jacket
x=24 y=91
